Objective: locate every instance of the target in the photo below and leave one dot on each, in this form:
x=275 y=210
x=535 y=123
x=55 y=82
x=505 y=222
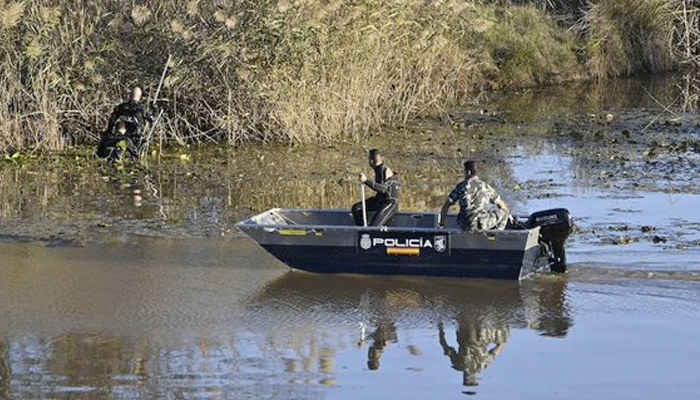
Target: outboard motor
x=555 y=227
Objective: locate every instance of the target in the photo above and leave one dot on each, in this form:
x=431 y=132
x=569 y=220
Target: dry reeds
x=629 y=36
x=300 y=71
x=686 y=15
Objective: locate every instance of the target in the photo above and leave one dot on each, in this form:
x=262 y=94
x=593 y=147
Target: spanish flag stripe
x=402 y=251
x=292 y=232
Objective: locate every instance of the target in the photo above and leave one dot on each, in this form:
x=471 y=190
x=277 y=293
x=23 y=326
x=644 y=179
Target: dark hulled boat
x=328 y=241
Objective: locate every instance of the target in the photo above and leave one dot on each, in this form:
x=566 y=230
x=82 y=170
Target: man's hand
x=363 y=178
x=498 y=349
x=443 y=213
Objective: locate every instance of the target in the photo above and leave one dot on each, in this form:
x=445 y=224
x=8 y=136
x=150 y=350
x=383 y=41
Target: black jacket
x=133 y=114
x=387 y=188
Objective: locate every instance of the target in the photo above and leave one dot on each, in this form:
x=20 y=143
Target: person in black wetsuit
x=386 y=202
x=131 y=116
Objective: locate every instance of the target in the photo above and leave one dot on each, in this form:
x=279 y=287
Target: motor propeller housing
x=555 y=227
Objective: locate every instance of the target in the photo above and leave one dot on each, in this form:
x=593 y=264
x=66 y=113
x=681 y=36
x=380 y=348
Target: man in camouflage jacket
x=475 y=197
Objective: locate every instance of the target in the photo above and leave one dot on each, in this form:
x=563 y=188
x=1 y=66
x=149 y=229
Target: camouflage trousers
x=487 y=220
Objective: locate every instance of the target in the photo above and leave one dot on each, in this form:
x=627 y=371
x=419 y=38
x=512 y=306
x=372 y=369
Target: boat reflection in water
x=473 y=319
x=166 y=330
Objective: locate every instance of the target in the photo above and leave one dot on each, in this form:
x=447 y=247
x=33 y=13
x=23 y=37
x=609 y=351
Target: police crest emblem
x=365 y=242
x=440 y=243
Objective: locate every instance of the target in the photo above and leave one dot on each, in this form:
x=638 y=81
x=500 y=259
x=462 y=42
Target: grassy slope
x=314 y=70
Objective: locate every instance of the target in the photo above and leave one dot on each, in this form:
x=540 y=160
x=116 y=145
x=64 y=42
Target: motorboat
x=412 y=243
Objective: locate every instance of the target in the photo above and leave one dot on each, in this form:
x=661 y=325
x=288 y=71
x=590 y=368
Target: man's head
x=469 y=379
x=373 y=356
x=469 y=168
x=136 y=94
x=375 y=158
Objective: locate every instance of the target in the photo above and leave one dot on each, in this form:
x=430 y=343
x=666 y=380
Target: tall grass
x=531 y=49
x=629 y=36
x=299 y=71
x=686 y=15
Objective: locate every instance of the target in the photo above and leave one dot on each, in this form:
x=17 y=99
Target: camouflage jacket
x=474 y=197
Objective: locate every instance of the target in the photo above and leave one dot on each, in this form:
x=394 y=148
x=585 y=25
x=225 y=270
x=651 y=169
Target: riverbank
x=314 y=71
x=621 y=149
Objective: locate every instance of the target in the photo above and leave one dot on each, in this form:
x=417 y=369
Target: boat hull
x=414 y=246
x=462 y=263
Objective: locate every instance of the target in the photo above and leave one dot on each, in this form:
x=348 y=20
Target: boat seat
x=288 y=220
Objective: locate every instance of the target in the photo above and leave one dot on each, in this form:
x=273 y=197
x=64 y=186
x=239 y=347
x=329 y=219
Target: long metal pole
x=364 y=206
x=162 y=78
x=147 y=140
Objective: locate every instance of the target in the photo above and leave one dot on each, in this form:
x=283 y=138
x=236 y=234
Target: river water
x=137 y=286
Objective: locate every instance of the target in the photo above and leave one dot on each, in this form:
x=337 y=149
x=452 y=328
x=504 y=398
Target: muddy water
x=136 y=286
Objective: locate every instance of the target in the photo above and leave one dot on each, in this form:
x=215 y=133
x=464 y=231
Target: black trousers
x=383 y=210
x=108 y=147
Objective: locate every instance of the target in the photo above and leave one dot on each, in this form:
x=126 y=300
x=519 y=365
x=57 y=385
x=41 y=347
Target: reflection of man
x=478 y=346
x=381 y=337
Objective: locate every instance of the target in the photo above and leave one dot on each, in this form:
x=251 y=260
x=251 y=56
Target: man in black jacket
x=126 y=123
x=386 y=183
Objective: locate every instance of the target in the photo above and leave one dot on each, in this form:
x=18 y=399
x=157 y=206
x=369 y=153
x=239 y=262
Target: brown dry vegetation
x=312 y=70
x=628 y=36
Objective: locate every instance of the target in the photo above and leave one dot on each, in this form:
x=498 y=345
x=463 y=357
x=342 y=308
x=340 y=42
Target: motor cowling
x=555 y=227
